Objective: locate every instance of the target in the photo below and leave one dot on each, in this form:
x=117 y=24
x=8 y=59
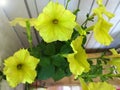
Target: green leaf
x=57 y=60
x=45 y=61
x=59 y=75
x=46 y=72
x=74 y=34
x=35 y=52
x=68 y=72
x=103 y=78
x=84 y=40
x=49 y=49
x=76 y=11
x=65 y=49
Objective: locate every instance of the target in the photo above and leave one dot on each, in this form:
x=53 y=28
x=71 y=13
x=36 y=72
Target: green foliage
x=76 y=11
x=2 y=76
x=88 y=18
x=75 y=34
x=45 y=72
x=52 y=63
x=98 y=70
x=66 y=48
x=59 y=74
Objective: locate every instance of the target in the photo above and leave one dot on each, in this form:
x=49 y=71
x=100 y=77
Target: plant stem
x=67 y=4
x=29 y=36
x=26 y=86
x=89 y=28
x=112 y=75
x=89 y=18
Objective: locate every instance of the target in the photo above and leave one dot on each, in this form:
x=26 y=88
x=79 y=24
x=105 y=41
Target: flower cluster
x=61 y=51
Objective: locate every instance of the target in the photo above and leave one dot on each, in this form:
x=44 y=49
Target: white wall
x=9 y=43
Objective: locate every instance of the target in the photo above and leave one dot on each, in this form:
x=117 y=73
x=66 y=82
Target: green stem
x=89 y=28
x=85 y=22
x=67 y=4
x=27 y=86
x=112 y=75
x=89 y=18
x=29 y=36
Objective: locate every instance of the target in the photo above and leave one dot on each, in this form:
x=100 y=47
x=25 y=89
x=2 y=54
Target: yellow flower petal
x=22 y=21
x=29 y=76
x=31 y=62
x=114 y=52
x=75 y=67
x=99 y=2
x=83 y=84
x=78 y=60
x=102 y=10
x=55 y=23
x=102 y=27
x=99 y=11
x=116 y=63
x=21 y=55
x=101 y=86
x=80 y=30
x=80 y=53
x=101 y=30
x=96 y=85
x=115 y=60
x=20 y=68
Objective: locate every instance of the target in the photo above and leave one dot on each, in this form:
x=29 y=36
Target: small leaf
x=59 y=75
x=46 y=72
x=58 y=61
x=45 y=61
x=76 y=11
x=49 y=49
x=66 y=48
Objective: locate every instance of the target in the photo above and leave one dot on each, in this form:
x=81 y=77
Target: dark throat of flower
x=19 y=66
x=55 y=21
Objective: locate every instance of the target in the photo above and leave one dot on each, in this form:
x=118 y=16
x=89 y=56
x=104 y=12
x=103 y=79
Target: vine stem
x=89 y=28
x=29 y=35
x=112 y=75
x=89 y=18
x=67 y=4
x=27 y=86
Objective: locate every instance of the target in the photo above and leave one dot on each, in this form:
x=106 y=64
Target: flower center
x=19 y=66
x=55 y=21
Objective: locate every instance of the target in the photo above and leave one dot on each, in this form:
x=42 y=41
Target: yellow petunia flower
x=102 y=26
x=101 y=30
x=78 y=60
x=96 y=86
x=20 y=68
x=115 y=60
x=22 y=21
x=116 y=63
x=101 y=10
x=55 y=23
x=99 y=2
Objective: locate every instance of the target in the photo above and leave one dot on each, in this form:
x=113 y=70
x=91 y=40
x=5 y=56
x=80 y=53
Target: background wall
x=9 y=43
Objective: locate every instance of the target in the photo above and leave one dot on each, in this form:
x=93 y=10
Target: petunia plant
x=61 y=51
